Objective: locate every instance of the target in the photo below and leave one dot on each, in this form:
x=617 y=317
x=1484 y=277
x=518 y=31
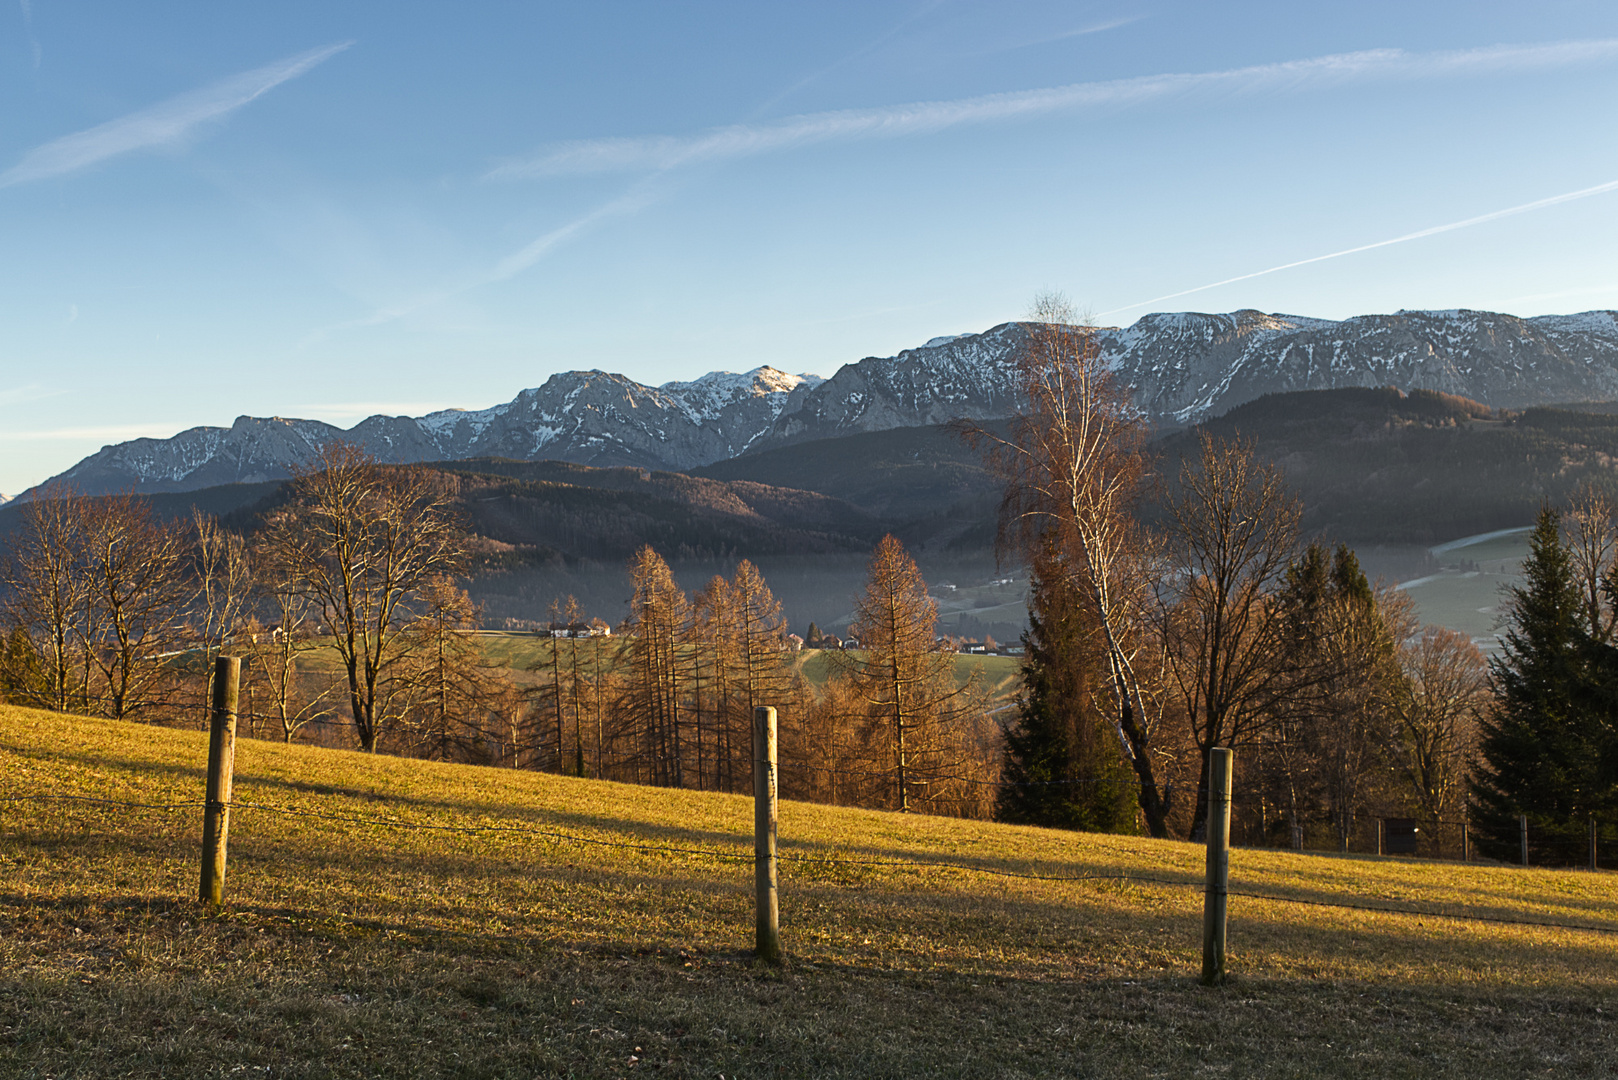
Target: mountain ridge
x=1182 y=368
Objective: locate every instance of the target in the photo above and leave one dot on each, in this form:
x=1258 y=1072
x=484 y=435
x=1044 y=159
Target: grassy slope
x=358 y=950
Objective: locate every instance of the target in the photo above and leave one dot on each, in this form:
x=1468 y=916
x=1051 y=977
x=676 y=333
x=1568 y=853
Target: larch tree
x=658 y=628
x=915 y=716
x=455 y=694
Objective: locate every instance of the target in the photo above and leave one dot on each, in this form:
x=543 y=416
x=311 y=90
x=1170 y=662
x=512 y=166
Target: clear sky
x=326 y=210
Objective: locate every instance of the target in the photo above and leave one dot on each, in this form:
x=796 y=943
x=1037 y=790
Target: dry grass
x=363 y=950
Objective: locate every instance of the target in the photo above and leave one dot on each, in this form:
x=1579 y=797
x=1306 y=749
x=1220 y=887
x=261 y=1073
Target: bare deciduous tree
x=359 y=540
x=1233 y=530
x=1446 y=684
x=136 y=598
x=1072 y=465
x=1591 y=526
x=224 y=585
x=48 y=592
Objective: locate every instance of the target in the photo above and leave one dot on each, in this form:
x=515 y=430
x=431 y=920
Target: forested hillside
x=1379 y=466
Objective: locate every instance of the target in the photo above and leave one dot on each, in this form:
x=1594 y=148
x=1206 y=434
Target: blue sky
x=327 y=210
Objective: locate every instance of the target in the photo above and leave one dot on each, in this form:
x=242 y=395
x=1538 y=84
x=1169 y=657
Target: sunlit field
x=446 y=920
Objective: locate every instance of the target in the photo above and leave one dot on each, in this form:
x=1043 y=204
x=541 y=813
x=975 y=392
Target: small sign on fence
x=1399 y=836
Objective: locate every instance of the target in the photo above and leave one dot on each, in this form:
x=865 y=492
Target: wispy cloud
x=1563 y=294
x=28 y=28
x=163 y=124
x=1065 y=35
x=19 y=395
x=662 y=152
x=641 y=195
x=1493 y=215
x=114 y=431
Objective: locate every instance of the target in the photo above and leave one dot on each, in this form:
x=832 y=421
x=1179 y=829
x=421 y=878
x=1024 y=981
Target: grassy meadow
x=353 y=948
x=1469 y=584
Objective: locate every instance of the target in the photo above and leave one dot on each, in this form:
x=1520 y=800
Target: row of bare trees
x=1217 y=627
x=343 y=605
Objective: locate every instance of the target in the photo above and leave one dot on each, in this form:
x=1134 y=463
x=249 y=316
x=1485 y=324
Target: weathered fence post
x=1466 y=836
x=1216 y=898
x=1381 y=836
x=1522 y=829
x=1592 y=841
x=764 y=792
x=221 y=767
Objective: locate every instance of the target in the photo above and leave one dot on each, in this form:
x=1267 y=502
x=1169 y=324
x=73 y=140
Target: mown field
x=387 y=938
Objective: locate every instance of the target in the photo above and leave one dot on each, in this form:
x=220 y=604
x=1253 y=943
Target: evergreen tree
x=1541 y=744
x=1062 y=767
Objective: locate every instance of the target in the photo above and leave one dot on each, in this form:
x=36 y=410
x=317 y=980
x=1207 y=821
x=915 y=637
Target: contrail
x=658 y=152
x=162 y=124
x=1493 y=215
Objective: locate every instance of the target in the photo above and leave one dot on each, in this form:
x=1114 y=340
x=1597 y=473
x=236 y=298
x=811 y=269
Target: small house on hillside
x=593 y=628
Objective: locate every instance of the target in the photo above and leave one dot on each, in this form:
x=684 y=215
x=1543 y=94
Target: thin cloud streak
x=1066 y=35
x=1562 y=294
x=663 y=152
x=163 y=124
x=19 y=395
x=116 y=431
x=632 y=202
x=1493 y=215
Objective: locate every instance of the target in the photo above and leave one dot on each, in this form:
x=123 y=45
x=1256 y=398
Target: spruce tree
x=1541 y=743
x=1063 y=767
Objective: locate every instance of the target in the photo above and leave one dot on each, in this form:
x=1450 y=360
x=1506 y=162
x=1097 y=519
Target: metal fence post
x=1217 y=895
x=221 y=769
x=764 y=827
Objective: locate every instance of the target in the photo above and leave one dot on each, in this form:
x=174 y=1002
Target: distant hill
x=1378 y=466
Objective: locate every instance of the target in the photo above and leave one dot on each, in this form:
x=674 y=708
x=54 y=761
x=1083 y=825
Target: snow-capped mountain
x=1181 y=368
x=1186 y=367
x=588 y=417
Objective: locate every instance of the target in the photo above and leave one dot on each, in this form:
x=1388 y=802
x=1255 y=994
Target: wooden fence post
x=1381 y=836
x=1216 y=898
x=764 y=824
x=1592 y=841
x=221 y=767
x=1466 y=836
x=1522 y=829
